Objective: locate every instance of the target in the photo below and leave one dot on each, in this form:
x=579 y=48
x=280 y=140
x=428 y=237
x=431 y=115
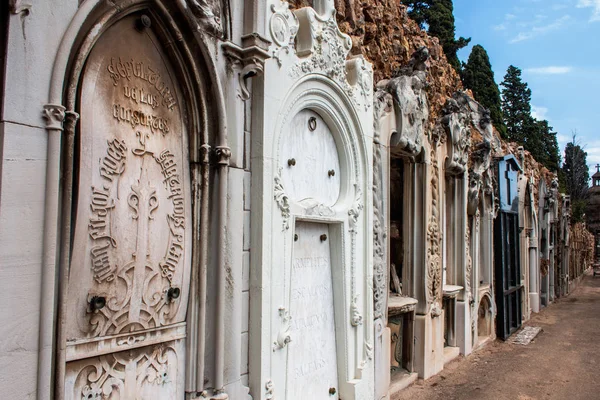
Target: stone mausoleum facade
x=227 y=199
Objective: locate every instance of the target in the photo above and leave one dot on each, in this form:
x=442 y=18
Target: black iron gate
x=507 y=263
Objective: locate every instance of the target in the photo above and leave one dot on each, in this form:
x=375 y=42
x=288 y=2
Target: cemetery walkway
x=562 y=362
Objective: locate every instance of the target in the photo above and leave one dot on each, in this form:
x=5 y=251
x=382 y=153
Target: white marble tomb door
x=130 y=268
x=312 y=358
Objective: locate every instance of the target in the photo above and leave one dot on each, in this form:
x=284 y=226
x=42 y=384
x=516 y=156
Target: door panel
x=131 y=261
x=312 y=356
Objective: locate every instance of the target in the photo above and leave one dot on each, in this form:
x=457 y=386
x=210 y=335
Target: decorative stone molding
x=269 y=389
x=354 y=213
x=284 y=336
x=324 y=49
x=356 y=208
x=282 y=201
x=208 y=15
x=283 y=27
x=412 y=108
x=356 y=317
x=54 y=114
x=251 y=56
x=455 y=122
x=434 y=237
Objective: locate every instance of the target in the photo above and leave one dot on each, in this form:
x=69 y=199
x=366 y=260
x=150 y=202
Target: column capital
x=54 y=114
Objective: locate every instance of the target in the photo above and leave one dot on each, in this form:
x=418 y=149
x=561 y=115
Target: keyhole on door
x=332 y=391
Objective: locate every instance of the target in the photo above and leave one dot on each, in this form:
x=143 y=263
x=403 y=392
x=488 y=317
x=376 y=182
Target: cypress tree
x=438 y=16
x=516 y=98
x=479 y=77
x=576 y=175
x=549 y=143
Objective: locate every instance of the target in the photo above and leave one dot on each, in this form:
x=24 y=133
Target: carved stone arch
x=327 y=99
x=197 y=80
x=485 y=316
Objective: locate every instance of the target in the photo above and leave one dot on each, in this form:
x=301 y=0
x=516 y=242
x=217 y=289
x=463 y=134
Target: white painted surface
x=315 y=154
x=312 y=358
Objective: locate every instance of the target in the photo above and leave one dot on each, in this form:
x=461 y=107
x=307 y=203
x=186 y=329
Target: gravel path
x=562 y=362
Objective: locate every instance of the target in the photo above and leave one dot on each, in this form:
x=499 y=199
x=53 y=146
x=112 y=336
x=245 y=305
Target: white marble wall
x=30 y=55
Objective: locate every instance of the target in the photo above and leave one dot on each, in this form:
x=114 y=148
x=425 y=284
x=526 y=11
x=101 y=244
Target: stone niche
x=131 y=255
x=311 y=319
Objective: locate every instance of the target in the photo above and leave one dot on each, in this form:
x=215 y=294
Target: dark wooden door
x=507 y=262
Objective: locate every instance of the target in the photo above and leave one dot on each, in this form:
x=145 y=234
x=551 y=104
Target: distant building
x=593 y=210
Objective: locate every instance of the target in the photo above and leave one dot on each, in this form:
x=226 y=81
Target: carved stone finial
x=54 y=114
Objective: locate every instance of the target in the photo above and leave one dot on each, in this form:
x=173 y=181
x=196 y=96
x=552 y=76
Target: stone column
x=534 y=293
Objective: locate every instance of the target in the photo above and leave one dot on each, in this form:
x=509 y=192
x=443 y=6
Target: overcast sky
x=556 y=43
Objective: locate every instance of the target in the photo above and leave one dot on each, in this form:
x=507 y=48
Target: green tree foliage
x=438 y=17
x=550 y=152
x=535 y=136
x=478 y=76
x=576 y=175
x=516 y=98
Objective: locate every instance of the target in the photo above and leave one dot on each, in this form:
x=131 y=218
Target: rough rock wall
x=382 y=32
x=582 y=249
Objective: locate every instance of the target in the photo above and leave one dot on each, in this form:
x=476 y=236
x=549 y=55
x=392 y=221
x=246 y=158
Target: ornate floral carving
x=54 y=114
x=434 y=262
x=330 y=48
x=282 y=201
x=356 y=318
x=382 y=105
x=284 y=335
x=208 y=14
x=354 y=213
x=269 y=389
x=356 y=209
x=283 y=27
x=469 y=264
x=410 y=98
x=106 y=376
x=313 y=207
x=324 y=49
